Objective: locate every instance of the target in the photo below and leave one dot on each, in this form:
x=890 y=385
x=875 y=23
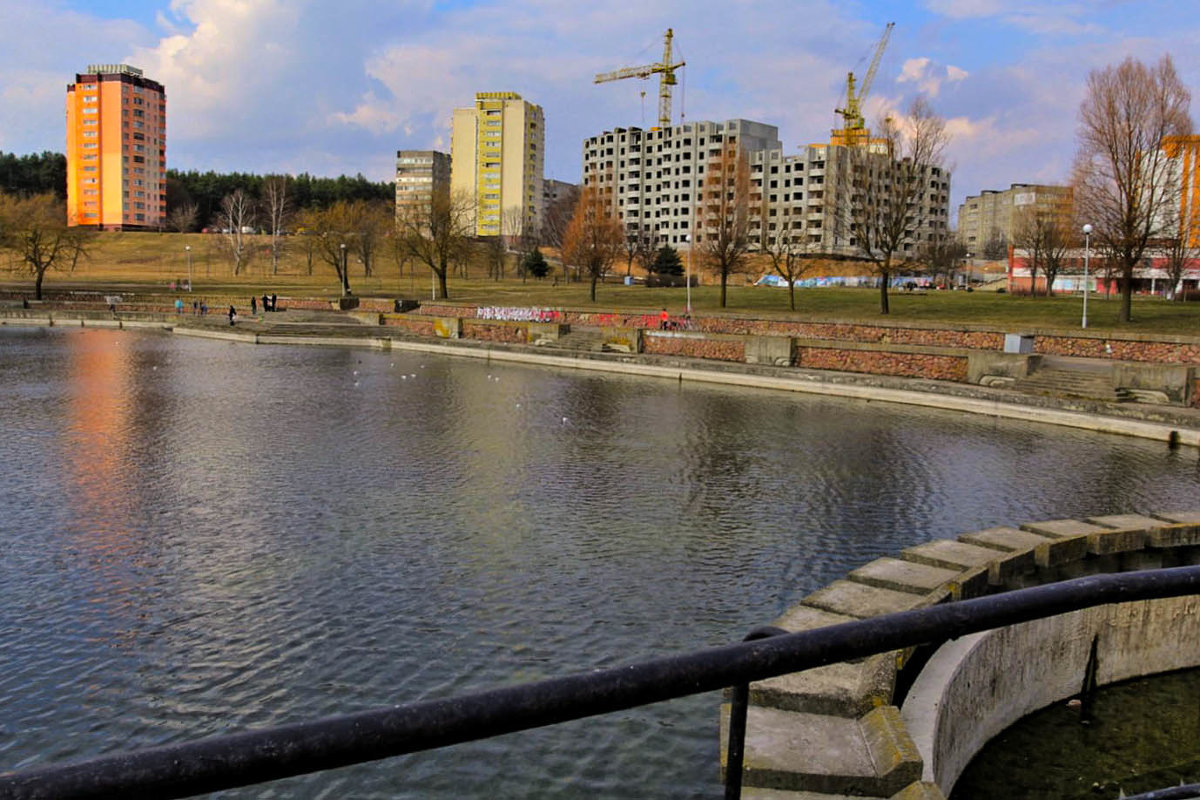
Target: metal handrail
x=242 y=759
x=1188 y=792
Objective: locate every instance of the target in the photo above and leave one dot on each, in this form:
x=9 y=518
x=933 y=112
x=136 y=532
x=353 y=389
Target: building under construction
x=653 y=180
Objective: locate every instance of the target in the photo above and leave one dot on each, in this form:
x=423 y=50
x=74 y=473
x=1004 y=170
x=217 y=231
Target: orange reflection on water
x=96 y=442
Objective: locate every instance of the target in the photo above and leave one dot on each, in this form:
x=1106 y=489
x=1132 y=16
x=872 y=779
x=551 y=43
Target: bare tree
x=34 y=232
x=235 y=218
x=892 y=183
x=594 y=239
x=789 y=257
x=331 y=232
x=438 y=234
x=558 y=217
x=943 y=258
x=1122 y=177
x=723 y=238
x=996 y=246
x=370 y=223
x=182 y=219
x=277 y=204
x=1178 y=249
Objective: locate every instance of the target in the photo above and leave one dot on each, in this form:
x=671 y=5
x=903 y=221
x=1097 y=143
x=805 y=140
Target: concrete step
x=591 y=341
x=1072 y=383
x=871 y=756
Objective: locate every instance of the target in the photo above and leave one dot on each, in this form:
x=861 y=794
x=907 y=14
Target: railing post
x=739 y=703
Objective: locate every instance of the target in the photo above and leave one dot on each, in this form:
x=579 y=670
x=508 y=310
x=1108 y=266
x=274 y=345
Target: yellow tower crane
x=854 y=130
x=663 y=68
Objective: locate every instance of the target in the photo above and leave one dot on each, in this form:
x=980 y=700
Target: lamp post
x=188 y=249
x=343 y=247
x=1087 y=252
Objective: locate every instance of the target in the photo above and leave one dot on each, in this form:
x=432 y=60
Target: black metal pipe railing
x=242 y=759
x=1188 y=792
x=739 y=707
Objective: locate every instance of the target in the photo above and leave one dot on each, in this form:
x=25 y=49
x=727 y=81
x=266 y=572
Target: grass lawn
x=150 y=261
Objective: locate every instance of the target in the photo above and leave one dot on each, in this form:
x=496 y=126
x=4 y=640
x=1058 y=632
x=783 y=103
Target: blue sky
x=324 y=87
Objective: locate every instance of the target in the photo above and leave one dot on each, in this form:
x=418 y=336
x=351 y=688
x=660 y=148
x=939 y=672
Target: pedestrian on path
x=178 y=305
x=254 y=306
x=232 y=316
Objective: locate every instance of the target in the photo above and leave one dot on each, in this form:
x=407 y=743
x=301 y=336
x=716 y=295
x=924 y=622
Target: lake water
x=199 y=537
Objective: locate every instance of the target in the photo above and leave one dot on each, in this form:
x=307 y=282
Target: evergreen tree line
x=206 y=190
x=40 y=173
x=37 y=173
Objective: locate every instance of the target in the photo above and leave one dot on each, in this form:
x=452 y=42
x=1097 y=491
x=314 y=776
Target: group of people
x=268 y=303
x=198 y=306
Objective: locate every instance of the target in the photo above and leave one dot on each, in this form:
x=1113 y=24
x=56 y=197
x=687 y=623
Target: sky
x=335 y=88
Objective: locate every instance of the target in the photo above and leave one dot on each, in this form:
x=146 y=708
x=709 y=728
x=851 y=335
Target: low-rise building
x=421 y=175
x=992 y=217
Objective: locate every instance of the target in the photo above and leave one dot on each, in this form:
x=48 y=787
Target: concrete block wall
x=832 y=732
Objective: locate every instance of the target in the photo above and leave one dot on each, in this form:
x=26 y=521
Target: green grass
x=150 y=261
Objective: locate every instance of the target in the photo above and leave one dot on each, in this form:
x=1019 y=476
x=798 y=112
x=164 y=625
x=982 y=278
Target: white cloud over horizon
x=306 y=85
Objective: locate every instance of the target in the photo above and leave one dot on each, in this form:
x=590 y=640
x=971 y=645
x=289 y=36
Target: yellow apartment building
x=497 y=154
x=116 y=149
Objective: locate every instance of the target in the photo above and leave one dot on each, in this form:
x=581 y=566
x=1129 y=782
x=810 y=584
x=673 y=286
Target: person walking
x=254 y=306
x=178 y=305
x=663 y=319
x=232 y=315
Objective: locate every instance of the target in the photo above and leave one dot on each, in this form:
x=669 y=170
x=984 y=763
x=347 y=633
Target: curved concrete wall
x=833 y=732
x=973 y=689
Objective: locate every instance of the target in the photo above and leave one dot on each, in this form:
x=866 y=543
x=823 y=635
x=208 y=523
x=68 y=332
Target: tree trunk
x=37 y=284
x=885 y=275
x=792 y=295
x=724 y=281
x=441 y=274
x=1126 y=314
x=594 y=276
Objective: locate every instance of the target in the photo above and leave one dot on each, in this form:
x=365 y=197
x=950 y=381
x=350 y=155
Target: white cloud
x=1034 y=16
x=927 y=76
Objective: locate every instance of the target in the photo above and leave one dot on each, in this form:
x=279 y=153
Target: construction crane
x=854 y=129
x=665 y=69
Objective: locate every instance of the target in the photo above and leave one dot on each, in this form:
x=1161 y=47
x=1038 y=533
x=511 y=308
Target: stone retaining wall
x=691 y=345
x=821 y=734
x=880 y=362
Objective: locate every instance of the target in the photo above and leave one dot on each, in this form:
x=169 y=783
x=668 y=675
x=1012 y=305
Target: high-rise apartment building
x=652 y=181
x=1183 y=172
x=992 y=216
x=497 y=154
x=116 y=149
x=652 y=178
x=421 y=175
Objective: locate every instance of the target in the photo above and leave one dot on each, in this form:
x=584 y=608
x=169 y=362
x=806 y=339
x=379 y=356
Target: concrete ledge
x=872 y=757
x=860 y=600
x=799 y=724
x=903 y=576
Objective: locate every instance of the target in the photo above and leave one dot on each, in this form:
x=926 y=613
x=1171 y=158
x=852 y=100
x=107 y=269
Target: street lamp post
x=188 y=249
x=1087 y=252
x=343 y=247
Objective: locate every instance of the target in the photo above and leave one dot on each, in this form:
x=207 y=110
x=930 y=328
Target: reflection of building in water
x=96 y=439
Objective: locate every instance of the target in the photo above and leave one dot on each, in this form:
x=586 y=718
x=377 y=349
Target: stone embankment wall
x=1124 y=347
x=836 y=731
x=949 y=353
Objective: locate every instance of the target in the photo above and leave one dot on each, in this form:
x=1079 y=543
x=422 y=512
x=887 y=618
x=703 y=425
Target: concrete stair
x=580 y=340
x=1072 y=383
x=793 y=751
